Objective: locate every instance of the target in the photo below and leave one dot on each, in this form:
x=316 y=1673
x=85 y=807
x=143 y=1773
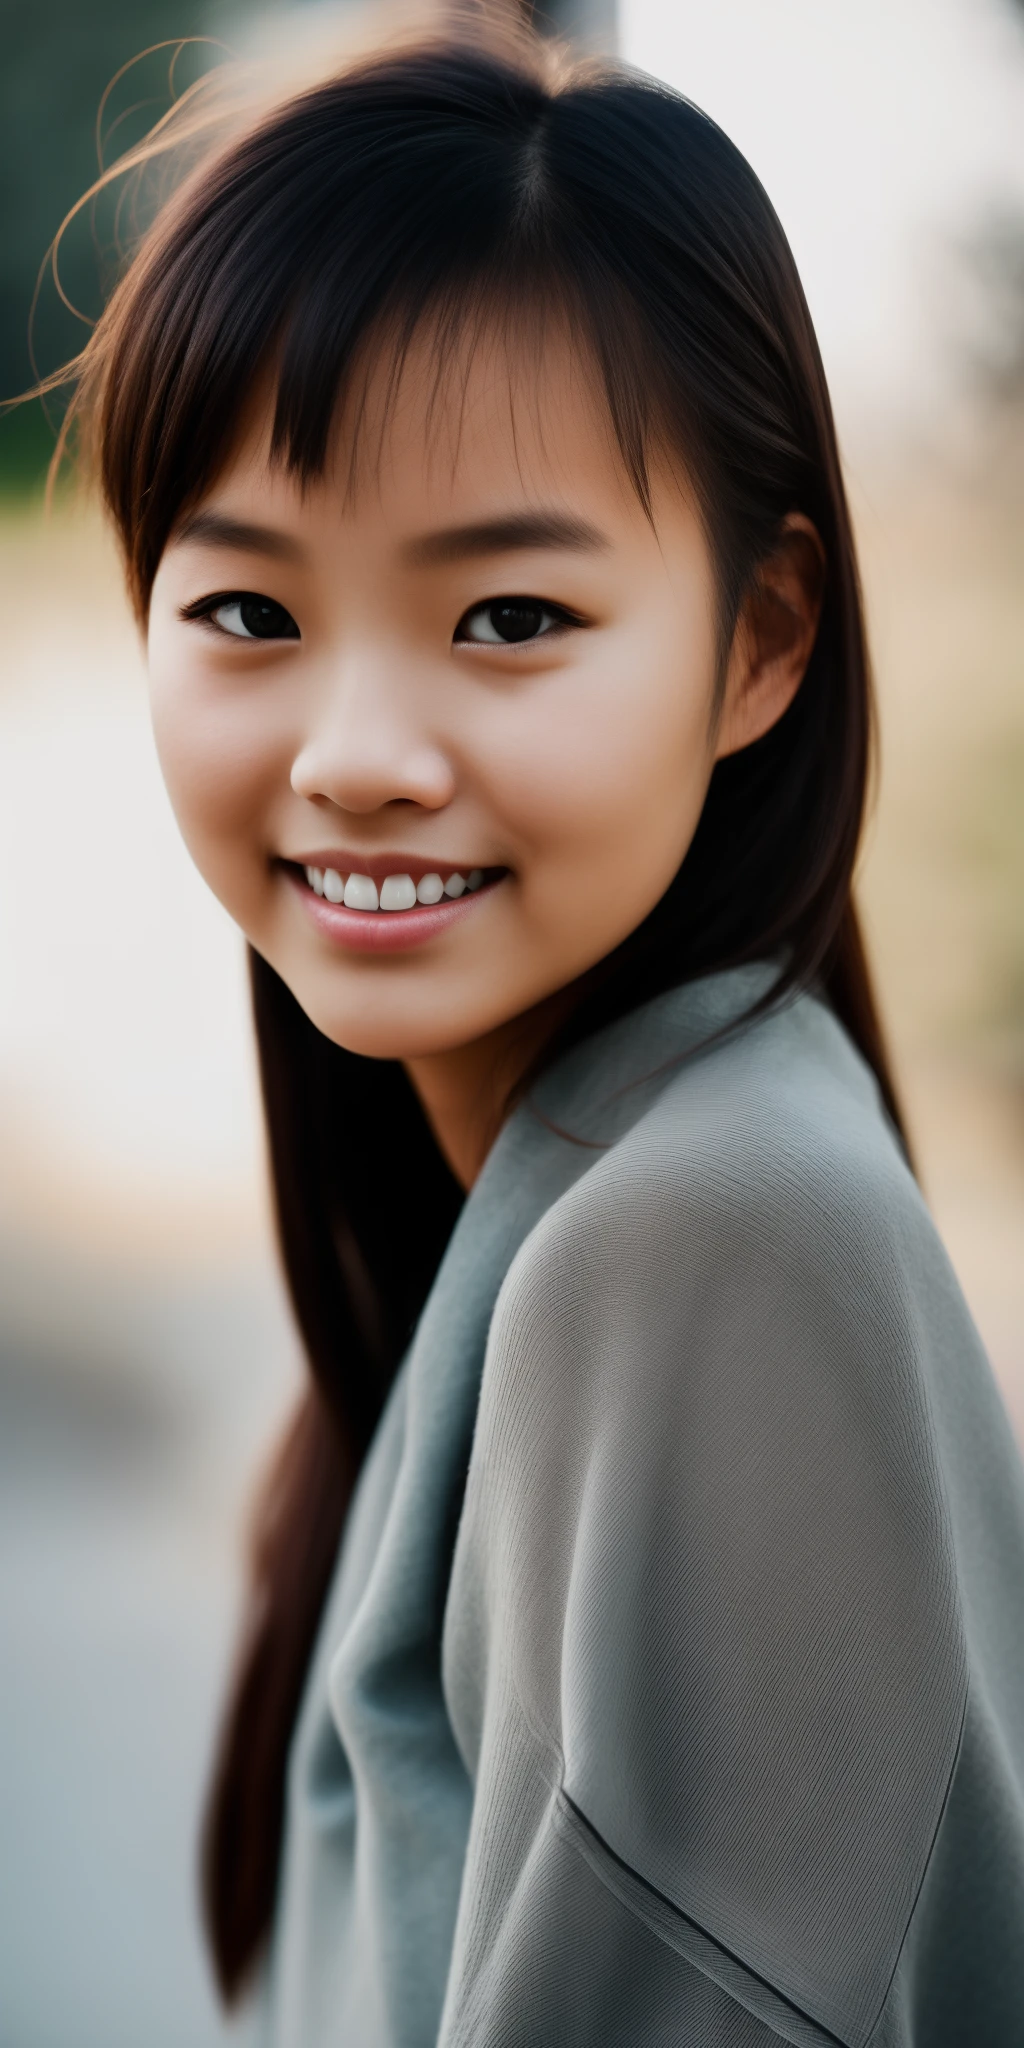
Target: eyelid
x=563 y=619
x=201 y=611
x=201 y=607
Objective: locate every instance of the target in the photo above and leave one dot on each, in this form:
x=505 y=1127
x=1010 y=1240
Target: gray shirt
x=671 y=1686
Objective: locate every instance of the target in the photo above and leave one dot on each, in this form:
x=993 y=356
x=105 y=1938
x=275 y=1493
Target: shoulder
x=740 y=1274
x=768 y=1161
x=712 y=1489
x=729 y=1307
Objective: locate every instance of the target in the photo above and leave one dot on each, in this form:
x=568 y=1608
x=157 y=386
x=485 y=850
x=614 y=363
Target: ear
x=774 y=637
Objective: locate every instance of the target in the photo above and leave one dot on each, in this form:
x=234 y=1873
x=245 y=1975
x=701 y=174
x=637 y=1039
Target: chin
x=393 y=1032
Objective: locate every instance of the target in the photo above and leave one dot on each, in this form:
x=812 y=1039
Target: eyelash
x=201 y=607
x=201 y=612
x=562 y=620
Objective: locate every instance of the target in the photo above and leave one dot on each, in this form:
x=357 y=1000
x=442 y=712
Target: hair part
x=444 y=189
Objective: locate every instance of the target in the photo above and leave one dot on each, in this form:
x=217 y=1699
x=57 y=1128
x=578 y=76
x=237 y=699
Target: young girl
x=636 y=1652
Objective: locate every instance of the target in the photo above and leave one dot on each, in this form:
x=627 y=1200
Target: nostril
x=358 y=770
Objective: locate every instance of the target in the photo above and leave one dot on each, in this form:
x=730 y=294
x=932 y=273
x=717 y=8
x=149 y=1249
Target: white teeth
x=397 y=892
x=361 y=893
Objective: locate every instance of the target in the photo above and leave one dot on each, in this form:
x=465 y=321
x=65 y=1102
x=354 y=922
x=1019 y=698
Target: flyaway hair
x=446 y=190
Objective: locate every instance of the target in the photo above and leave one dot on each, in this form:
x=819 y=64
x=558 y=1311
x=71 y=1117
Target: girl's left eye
x=249 y=617
x=508 y=621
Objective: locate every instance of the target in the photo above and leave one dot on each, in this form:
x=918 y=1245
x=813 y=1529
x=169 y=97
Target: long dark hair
x=452 y=185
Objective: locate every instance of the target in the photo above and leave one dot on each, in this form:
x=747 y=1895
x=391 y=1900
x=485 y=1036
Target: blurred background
x=145 y=1354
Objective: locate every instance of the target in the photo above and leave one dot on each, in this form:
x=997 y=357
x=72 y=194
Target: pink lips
x=362 y=931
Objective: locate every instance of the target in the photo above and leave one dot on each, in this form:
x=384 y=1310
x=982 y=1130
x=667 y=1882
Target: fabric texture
x=671 y=1688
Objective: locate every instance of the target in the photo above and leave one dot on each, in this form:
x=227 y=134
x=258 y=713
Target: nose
x=366 y=747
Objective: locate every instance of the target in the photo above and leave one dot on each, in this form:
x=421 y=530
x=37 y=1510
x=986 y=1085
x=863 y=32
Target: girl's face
x=439 y=728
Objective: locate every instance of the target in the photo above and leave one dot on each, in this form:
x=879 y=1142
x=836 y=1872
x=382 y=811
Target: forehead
x=431 y=431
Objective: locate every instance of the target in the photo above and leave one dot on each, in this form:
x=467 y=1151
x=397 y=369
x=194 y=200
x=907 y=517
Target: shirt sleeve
x=704 y=1648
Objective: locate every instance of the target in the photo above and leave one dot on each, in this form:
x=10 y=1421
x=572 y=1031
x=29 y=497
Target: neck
x=465 y=1090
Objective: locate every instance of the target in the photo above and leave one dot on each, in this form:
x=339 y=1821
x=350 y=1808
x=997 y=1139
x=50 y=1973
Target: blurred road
x=132 y=1408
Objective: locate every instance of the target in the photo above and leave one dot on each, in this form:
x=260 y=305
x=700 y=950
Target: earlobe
x=774 y=637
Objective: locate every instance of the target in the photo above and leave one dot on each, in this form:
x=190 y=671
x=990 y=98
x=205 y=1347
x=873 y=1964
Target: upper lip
x=379 y=865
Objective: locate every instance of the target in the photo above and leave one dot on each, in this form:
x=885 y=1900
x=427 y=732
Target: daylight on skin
x=392 y=735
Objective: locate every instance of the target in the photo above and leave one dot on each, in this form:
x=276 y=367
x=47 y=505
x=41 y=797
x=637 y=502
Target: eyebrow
x=215 y=529
x=502 y=536
x=518 y=530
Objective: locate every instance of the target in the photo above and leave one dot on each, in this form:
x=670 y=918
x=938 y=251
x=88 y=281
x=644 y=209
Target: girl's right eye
x=247 y=616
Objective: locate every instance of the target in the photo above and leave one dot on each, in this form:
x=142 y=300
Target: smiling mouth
x=394 y=893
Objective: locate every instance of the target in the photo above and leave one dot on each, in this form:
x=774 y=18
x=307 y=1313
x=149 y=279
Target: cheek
x=612 y=768
x=221 y=762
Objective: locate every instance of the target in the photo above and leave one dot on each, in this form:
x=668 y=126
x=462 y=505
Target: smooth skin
x=390 y=721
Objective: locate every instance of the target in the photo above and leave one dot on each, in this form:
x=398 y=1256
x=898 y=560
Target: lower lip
x=386 y=931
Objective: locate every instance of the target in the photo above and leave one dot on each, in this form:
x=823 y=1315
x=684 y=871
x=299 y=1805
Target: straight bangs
x=513 y=322
x=365 y=216
x=319 y=252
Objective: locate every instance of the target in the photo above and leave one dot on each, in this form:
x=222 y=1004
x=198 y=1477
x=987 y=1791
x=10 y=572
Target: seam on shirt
x=571 y=1813
x=927 y=1866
